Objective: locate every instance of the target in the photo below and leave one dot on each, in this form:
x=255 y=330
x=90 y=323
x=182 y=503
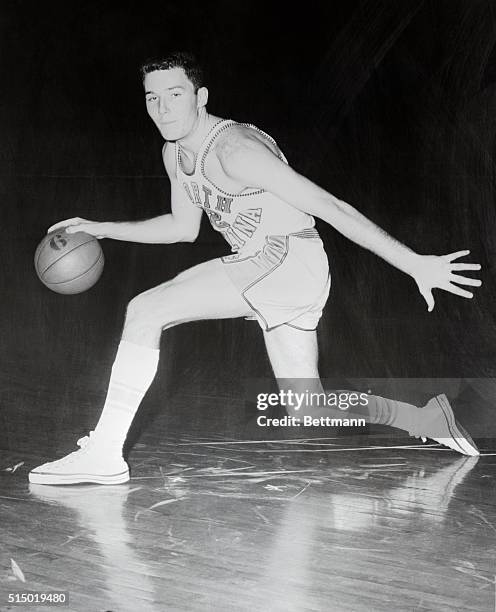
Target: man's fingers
x=77 y=227
x=464 y=266
x=68 y=229
x=54 y=228
x=61 y=225
x=457 y=290
x=464 y=280
x=64 y=224
x=428 y=297
x=456 y=255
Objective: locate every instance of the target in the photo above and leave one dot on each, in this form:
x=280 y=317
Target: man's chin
x=169 y=135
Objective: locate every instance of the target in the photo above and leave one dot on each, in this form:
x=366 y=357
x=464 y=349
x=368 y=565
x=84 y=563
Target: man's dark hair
x=178 y=59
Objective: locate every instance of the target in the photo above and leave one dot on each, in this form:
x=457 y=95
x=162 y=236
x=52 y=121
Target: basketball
x=69 y=263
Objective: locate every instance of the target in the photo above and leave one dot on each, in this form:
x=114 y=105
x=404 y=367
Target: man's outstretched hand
x=439 y=272
x=77 y=224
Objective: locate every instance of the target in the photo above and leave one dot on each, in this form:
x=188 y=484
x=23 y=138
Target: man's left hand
x=439 y=272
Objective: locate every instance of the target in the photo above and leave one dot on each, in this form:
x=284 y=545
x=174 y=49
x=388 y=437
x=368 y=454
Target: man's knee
x=155 y=308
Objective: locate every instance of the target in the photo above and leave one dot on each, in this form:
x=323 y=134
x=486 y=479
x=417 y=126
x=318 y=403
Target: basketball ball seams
x=37 y=257
x=41 y=248
x=38 y=253
x=63 y=254
x=71 y=280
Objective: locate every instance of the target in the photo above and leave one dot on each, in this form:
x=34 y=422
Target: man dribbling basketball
x=277 y=272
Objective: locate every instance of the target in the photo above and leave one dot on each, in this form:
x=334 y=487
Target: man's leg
x=293 y=354
x=202 y=292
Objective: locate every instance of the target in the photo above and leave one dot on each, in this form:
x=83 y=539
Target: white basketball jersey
x=246 y=219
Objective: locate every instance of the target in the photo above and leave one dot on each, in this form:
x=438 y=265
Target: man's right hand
x=77 y=224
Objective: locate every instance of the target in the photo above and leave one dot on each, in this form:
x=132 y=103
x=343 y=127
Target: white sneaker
x=436 y=421
x=89 y=464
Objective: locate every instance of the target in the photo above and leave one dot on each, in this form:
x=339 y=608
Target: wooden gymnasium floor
x=214 y=519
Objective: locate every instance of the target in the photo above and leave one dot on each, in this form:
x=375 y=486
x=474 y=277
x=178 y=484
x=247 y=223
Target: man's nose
x=163 y=106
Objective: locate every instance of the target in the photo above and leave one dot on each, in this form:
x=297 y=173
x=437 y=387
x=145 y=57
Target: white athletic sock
x=384 y=411
x=133 y=371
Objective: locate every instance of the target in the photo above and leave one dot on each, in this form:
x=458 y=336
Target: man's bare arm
x=248 y=161
x=182 y=224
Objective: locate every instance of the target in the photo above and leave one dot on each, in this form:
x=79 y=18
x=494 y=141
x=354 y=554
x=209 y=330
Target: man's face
x=172 y=103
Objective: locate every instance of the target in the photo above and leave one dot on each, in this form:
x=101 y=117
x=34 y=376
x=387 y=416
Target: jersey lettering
x=255 y=214
x=188 y=192
x=244 y=225
x=234 y=239
x=207 y=192
x=216 y=220
x=196 y=191
x=224 y=204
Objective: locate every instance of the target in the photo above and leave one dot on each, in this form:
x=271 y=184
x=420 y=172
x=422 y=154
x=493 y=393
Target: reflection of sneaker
x=446 y=480
x=85 y=465
x=431 y=494
x=437 y=422
x=85 y=499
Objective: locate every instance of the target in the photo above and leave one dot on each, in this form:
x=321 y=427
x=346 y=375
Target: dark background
x=388 y=105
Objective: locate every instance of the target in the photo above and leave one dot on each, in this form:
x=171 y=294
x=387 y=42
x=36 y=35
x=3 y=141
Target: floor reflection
x=100 y=515
x=311 y=553
x=274 y=532
x=419 y=496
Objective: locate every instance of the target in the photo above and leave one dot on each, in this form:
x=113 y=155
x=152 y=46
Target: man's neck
x=193 y=141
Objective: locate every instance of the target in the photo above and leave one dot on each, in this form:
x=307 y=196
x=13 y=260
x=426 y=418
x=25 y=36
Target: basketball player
x=277 y=272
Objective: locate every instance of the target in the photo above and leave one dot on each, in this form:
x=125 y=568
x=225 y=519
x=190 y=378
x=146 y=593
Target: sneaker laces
x=416 y=433
x=423 y=438
x=417 y=430
x=82 y=443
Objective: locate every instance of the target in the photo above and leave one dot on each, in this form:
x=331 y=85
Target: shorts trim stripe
x=279 y=263
x=300 y=328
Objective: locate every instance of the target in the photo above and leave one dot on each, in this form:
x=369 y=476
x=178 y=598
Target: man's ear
x=202 y=97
